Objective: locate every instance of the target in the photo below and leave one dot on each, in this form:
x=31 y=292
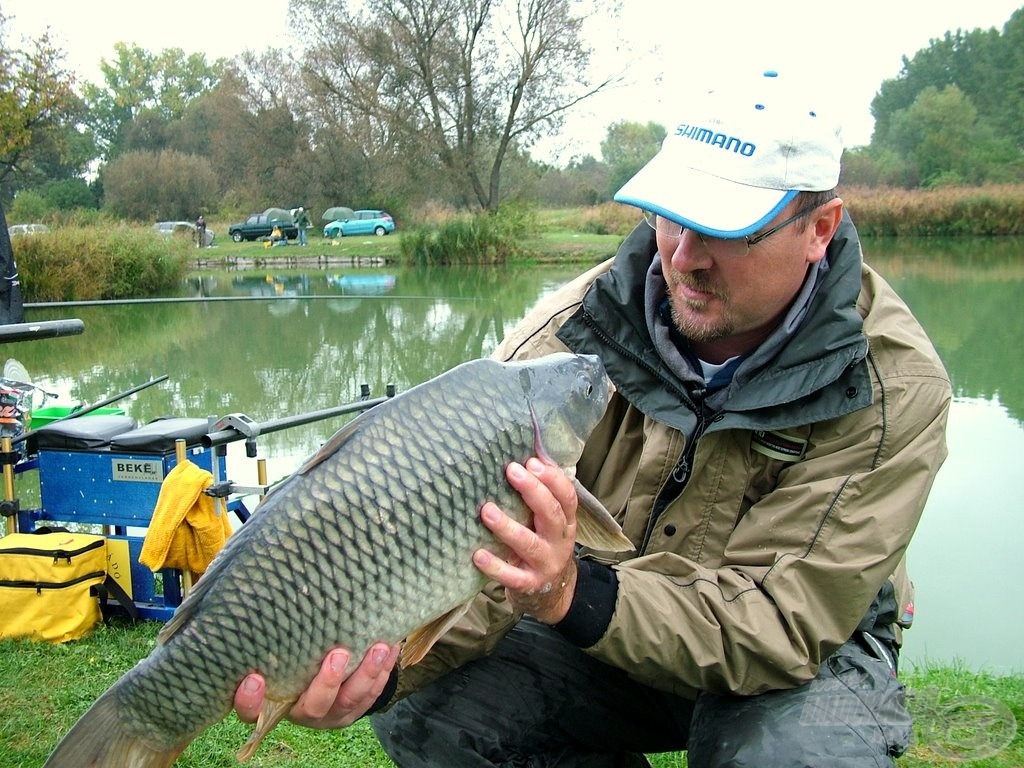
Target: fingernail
x=490 y=514
x=380 y=655
x=482 y=558
x=535 y=465
x=516 y=471
x=338 y=662
x=249 y=685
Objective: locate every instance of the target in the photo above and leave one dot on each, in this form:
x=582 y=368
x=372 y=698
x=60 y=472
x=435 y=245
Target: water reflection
x=967 y=293
x=302 y=342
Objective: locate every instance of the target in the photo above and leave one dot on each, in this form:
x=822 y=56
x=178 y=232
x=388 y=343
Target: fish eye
x=584 y=386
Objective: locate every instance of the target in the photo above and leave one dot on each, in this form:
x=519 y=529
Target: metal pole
x=261 y=474
x=7 y=446
x=45 y=329
x=231 y=435
x=186 y=574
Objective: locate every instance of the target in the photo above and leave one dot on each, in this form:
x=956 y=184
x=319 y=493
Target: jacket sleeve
x=760 y=601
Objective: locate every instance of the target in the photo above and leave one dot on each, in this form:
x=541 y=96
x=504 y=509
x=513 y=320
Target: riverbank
x=960 y=715
x=121 y=260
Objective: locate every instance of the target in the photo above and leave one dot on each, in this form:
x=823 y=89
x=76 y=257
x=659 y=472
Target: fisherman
x=778 y=422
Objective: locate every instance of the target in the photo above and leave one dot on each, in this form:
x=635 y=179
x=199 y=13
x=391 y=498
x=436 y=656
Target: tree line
x=406 y=104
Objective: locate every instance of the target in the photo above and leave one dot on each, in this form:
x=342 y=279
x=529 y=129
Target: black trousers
x=540 y=701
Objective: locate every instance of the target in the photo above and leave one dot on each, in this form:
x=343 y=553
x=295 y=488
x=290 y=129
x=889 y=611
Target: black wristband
x=593 y=604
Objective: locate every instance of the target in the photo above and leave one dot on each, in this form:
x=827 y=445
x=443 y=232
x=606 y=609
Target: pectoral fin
x=420 y=641
x=595 y=526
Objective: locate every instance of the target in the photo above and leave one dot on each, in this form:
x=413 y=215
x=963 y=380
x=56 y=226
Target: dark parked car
x=182 y=229
x=260 y=225
x=368 y=222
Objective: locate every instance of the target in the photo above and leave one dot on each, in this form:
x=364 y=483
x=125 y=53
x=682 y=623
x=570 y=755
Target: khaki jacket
x=805 y=485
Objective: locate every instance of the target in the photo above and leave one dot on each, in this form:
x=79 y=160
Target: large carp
x=370 y=540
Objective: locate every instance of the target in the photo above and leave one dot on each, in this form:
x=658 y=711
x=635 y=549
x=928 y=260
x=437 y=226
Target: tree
x=256 y=146
x=167 y=185
x=468 y=83
x=954 y=113
x=154 y=89
x=39 y=111
x=627 y=147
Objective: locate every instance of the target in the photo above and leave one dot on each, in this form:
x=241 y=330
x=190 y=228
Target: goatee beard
x=692 y=327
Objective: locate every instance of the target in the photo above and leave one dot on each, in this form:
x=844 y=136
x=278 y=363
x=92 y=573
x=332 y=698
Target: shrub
x=482 y=238
x=88 y=263
x=610 y=219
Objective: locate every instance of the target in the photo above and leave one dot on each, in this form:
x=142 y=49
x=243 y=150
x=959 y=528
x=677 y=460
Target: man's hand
x=539 y=574
x=331 y=700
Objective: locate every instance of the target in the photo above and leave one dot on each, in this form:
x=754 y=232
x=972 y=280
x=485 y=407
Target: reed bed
x=942 y=212
x=100 y=262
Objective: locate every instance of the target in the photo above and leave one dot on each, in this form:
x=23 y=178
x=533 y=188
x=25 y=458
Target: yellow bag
x=50 y=584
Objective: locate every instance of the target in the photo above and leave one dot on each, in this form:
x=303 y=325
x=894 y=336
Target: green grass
x=47 y=687
x=564 y=235
x=225 y=250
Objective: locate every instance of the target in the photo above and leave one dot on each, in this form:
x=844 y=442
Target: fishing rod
x=214 y=299
x=94 y=406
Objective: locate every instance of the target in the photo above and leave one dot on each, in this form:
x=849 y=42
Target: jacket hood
x=817 y=369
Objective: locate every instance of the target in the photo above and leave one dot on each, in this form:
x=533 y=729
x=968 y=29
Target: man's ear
x=823 y=225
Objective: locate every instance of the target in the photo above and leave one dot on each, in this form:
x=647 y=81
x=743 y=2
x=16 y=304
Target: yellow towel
x=186 y=530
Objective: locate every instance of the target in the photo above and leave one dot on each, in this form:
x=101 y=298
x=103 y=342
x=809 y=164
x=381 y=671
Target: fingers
x=539 y=572
x=550 y=495
x=332 y=700
x=547 y=491
x=249 y=698
x=365 y=685
x=316 y=701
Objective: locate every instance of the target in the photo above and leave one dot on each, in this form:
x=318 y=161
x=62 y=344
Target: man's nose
x=690 y=253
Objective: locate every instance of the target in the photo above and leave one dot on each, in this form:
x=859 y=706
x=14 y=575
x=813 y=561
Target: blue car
x=377 y=223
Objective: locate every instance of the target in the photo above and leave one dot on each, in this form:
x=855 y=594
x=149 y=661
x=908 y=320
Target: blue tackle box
x=106 y=470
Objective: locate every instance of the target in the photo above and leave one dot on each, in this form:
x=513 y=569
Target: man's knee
x=851 y=714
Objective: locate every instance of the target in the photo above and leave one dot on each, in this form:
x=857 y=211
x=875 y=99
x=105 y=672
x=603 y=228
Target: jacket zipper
x=684 y=467
x=682 y=394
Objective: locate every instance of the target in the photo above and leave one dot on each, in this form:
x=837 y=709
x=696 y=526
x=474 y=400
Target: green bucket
x=43 y=416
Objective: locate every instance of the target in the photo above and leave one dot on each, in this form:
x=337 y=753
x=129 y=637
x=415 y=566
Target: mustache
x=696 y=281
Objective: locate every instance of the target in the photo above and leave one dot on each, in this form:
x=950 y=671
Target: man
x=302 y=223
x=778 y=422
x=201 y=231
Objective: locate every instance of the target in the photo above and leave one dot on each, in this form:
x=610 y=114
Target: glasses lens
x=725 y=247
x=662 y=226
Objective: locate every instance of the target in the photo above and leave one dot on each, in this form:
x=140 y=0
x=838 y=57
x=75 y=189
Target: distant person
x=302 y=223
x=11 y=310
x=277 y=236
x=200 y=232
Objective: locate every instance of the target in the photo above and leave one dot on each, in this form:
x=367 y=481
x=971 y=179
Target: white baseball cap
x=738 y=156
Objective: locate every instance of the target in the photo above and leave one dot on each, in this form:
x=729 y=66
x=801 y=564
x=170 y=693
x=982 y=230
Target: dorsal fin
x=333 y=445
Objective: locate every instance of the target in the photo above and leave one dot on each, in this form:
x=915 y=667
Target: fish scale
x=371 y=540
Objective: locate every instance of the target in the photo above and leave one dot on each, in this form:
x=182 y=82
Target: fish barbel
x=370 y=540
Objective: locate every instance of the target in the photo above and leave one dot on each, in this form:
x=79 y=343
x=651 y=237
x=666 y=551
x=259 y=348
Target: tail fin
x=99 y=740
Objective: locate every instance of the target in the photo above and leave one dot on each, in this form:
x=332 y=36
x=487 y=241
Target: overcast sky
x=848 y=48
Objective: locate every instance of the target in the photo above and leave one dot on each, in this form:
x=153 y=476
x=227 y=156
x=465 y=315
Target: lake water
x=302 y=342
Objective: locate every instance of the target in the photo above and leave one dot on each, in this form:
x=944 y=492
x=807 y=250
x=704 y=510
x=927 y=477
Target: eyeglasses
x=725 y=246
